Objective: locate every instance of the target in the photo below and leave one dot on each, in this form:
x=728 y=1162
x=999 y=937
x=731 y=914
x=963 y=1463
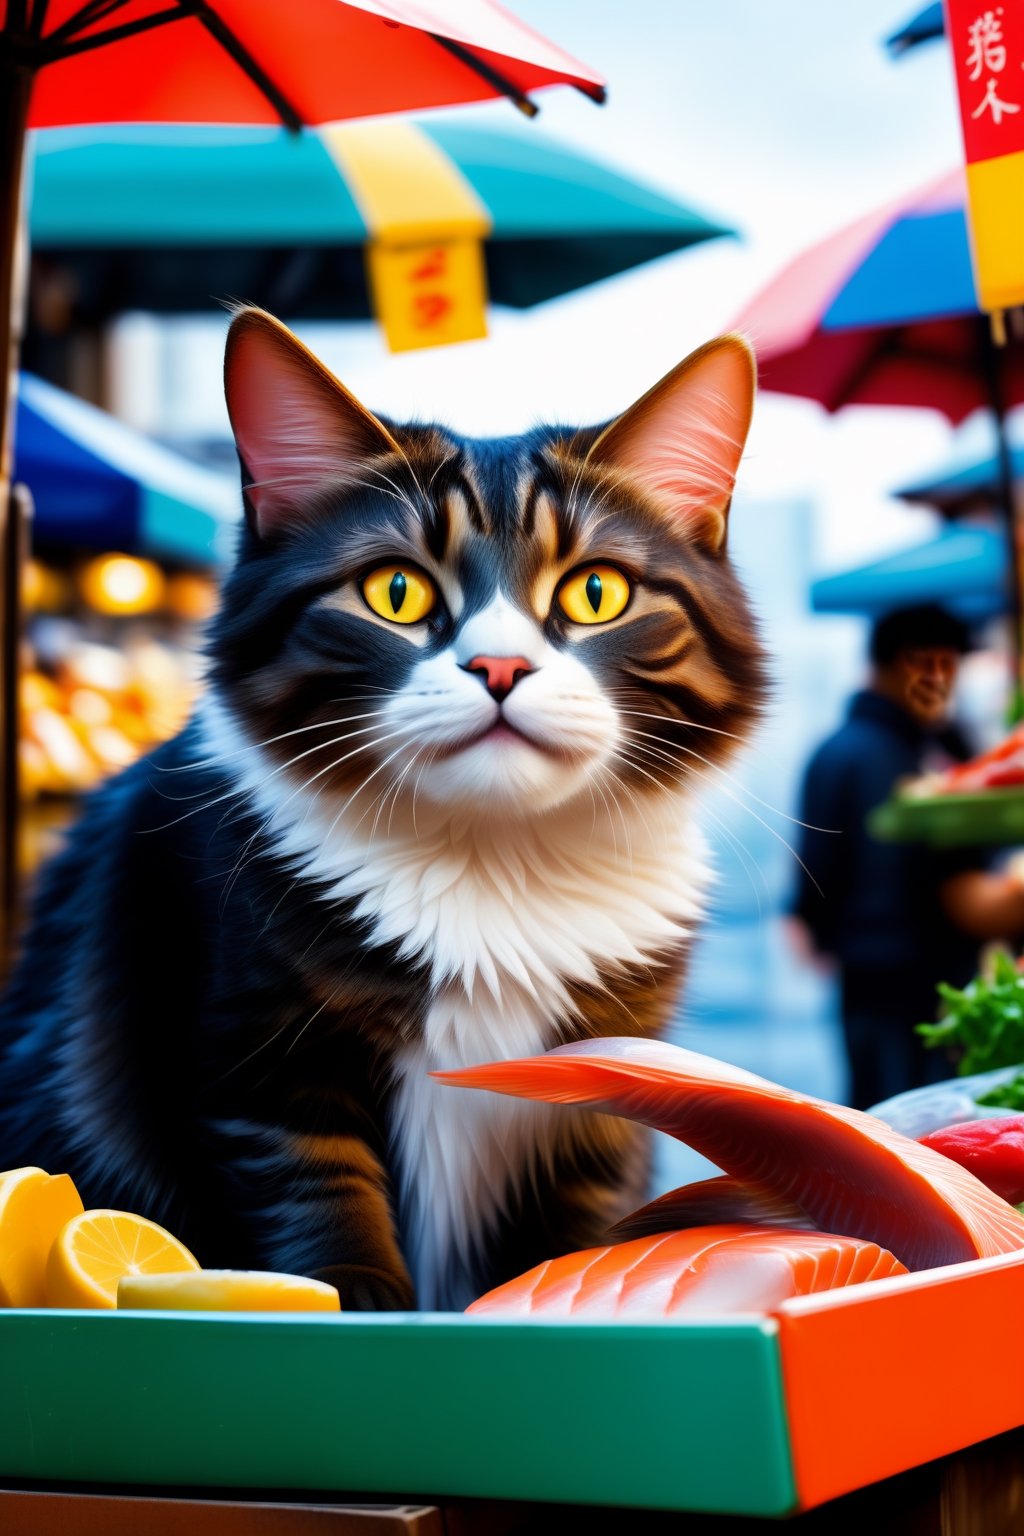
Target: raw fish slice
x=710 y=1270
x=845 y=1170
x=712 y=1202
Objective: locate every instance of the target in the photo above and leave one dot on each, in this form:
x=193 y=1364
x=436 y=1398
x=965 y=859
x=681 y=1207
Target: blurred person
x=895 y=918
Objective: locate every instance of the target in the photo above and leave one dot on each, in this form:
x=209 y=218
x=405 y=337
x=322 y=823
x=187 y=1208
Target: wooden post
x=15 y=540
x=15 y=92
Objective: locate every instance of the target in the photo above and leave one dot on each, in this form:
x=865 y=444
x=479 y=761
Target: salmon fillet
x=710 y=1270
x=844 y=1170
x=712 y=1202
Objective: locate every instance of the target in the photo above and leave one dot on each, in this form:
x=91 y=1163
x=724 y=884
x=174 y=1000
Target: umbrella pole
x=15 y=92
x=990 y=359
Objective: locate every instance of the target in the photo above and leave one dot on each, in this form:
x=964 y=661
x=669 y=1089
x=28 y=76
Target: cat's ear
x=682 y=441
x=296 y=427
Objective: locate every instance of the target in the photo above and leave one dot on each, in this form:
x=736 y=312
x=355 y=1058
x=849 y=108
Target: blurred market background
x=735 y=138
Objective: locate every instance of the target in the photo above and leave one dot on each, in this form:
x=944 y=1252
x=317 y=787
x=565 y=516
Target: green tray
x=740 y=1415
x=992 y=816
x=677 y=1416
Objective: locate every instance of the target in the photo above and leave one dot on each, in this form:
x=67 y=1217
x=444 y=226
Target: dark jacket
x=875 y=906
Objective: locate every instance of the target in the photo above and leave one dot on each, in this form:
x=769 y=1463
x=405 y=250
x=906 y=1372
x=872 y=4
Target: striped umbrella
x=884 y=313
x=284 y=221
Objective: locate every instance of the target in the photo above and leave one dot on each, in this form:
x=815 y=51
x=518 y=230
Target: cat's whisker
x=248 y=845
x=430 y=758
x=230 y=794
x=401 y=494
x=453 y=453
x=743 y=789
x=690 y=725
x=743 y=853
x=759 y=819
x=401 y=779
x=745 y=857
x=644 y=737
x=392 y=792
x=720 y=769
x=680 y=720
x=242 y=790
x=312 y=1019
x=255 y=746
x=610 y=773
x=381 y=799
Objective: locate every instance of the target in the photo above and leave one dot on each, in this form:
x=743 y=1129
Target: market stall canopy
x=271 y=217
x=97 y=484
x=884 y=313
x=923 y=27
x=258 y=61
x=964 y=569
x=967 y=482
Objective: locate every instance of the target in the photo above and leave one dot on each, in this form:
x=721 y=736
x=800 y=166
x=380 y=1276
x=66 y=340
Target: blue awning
x=965 y=569
x=966 y=482
x=97 y=484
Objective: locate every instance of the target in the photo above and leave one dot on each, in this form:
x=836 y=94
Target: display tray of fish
x=838 y=1305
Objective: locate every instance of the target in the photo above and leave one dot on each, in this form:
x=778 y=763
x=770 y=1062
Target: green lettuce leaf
x=984 y=1025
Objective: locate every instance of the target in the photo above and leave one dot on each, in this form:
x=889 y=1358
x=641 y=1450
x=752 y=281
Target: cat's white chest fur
x=508 y=924
x=507 y=919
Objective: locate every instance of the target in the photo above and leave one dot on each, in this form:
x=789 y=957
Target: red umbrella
x=225 y=61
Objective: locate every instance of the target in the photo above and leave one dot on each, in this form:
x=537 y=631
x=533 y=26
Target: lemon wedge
x=226 y=1290
x=96 y=1249
x=33 y=1207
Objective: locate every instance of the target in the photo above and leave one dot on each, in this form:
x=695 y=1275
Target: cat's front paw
x=363 y=1289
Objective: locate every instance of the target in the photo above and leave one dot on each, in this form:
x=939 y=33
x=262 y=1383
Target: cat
x=435 y=807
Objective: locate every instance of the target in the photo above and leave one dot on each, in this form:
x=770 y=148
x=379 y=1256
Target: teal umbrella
x=267 y=216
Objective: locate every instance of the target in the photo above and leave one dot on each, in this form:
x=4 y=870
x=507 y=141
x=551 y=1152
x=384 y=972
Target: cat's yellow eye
x=400 y=593
x=594 y=594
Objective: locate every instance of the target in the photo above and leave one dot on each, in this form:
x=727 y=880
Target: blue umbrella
x=922 y=27
x=97 y=484
x=964 y=569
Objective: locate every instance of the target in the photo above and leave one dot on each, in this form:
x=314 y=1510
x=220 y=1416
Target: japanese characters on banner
x=428 y=295
x=988 y=54
x=425 y=232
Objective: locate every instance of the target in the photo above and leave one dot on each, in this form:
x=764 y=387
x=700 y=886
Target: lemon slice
x=226 y=1290
x=95 y=1250
x=33 y=1207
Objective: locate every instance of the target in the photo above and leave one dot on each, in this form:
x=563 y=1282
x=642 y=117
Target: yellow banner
x=995 y=190
x=425 y=260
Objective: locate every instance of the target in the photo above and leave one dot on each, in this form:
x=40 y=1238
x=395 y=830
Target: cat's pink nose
x=499 y=674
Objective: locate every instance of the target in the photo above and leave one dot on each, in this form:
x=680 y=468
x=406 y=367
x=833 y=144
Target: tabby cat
x=435 y=808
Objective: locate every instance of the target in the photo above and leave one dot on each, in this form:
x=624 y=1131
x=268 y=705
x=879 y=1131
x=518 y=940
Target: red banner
x=988 y=54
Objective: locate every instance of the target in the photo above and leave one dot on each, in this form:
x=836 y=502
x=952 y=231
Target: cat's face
x=493 y=628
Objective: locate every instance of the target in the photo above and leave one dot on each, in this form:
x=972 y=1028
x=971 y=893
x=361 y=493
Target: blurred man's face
x=927 y=676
